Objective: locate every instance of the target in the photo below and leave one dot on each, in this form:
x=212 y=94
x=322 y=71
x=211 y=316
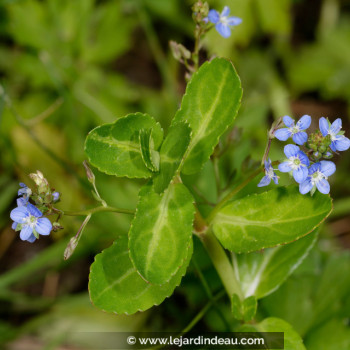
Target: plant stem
x=232 y=194
x=222 y=264
x=210 y=294
x=201 y=314
x=96 y=210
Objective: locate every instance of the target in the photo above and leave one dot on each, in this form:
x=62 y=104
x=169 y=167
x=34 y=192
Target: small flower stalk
x=308 y=160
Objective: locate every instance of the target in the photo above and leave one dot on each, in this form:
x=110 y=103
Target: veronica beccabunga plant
x=143 y=268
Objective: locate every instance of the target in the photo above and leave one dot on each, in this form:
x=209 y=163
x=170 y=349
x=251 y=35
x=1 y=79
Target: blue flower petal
x=267 y=164
x=223 y=29
x=25 y=232
x=265 y=181
x=291 y=150
x=43 y=226
x=323 y=186
x=19 y=214
x=300 y=174
x=14 y=225
x=288 y=121
x=327 y=167
x=336 y=126
x=225 y=12
x=275 y=179
x=342 y=143
x=31 y=238
x=33 y=210
x=22 y=201
x=213 y=16
x=284 y=167
x=234 y=21
x=21 y=184
x=300 y=138
x=305 y=186
x=314 y=167
x=282 y=134
x=333 y=146
x=303 y=158
x=304 y=122
x=323 y=124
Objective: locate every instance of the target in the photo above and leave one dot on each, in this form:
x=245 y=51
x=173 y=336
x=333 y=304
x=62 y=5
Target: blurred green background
x=67 y=66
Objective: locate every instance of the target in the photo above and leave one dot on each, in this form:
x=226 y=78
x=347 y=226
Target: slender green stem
x=210 y=294
x=232 y=194
x=97 y=210
x=217 y=176
x=221 y=263
x=201 y=313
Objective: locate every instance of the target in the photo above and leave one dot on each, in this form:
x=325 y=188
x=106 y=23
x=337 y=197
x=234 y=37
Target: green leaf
x=115 y=285
x=334 y=335
x=292 y=340
x=171 y=154
x=209 y=106
x=268 y=219
x=161 y=231
x=261 y=273
x=115 y=149
x=245 y=310
x=149 y=155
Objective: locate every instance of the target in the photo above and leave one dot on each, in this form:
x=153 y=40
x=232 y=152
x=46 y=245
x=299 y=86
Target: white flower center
x=224 y=20
x=30 y=221
x=317 y=176
x=270 y=173
x=295 y=163
x=294 y=129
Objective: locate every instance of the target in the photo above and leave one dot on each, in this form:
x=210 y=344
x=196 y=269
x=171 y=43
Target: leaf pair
x=128 y=147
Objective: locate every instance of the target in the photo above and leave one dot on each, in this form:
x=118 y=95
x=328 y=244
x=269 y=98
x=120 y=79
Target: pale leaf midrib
x=110 y=140
x=117 y=281
x=240 y=221
x=160 y=222
x=205 y=120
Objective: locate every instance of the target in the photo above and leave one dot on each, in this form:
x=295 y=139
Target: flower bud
x=40 y=181
x=90 y=175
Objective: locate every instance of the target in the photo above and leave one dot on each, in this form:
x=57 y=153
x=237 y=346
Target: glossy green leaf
x=149 y=155
x=292 y=340
x=261 y=273
x=264 y=220
x=209 y=106
x=115 y=148
x=171 y=154
x=115 y=285
x=243 y=310
x=161 y=231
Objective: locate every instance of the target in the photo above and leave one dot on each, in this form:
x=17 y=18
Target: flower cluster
x=29 y=218
x=307 y=161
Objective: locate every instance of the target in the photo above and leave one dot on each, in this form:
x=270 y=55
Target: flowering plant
x=255 y=238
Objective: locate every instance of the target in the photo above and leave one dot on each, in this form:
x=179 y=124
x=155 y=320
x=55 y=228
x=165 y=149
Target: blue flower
x=269 y=174
x=317 y=178
x=55 y=196
x=339 y=141
x=29 y=220
x=296 y=131
x=222 y=21
x=297 y=162
x=24 y=191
